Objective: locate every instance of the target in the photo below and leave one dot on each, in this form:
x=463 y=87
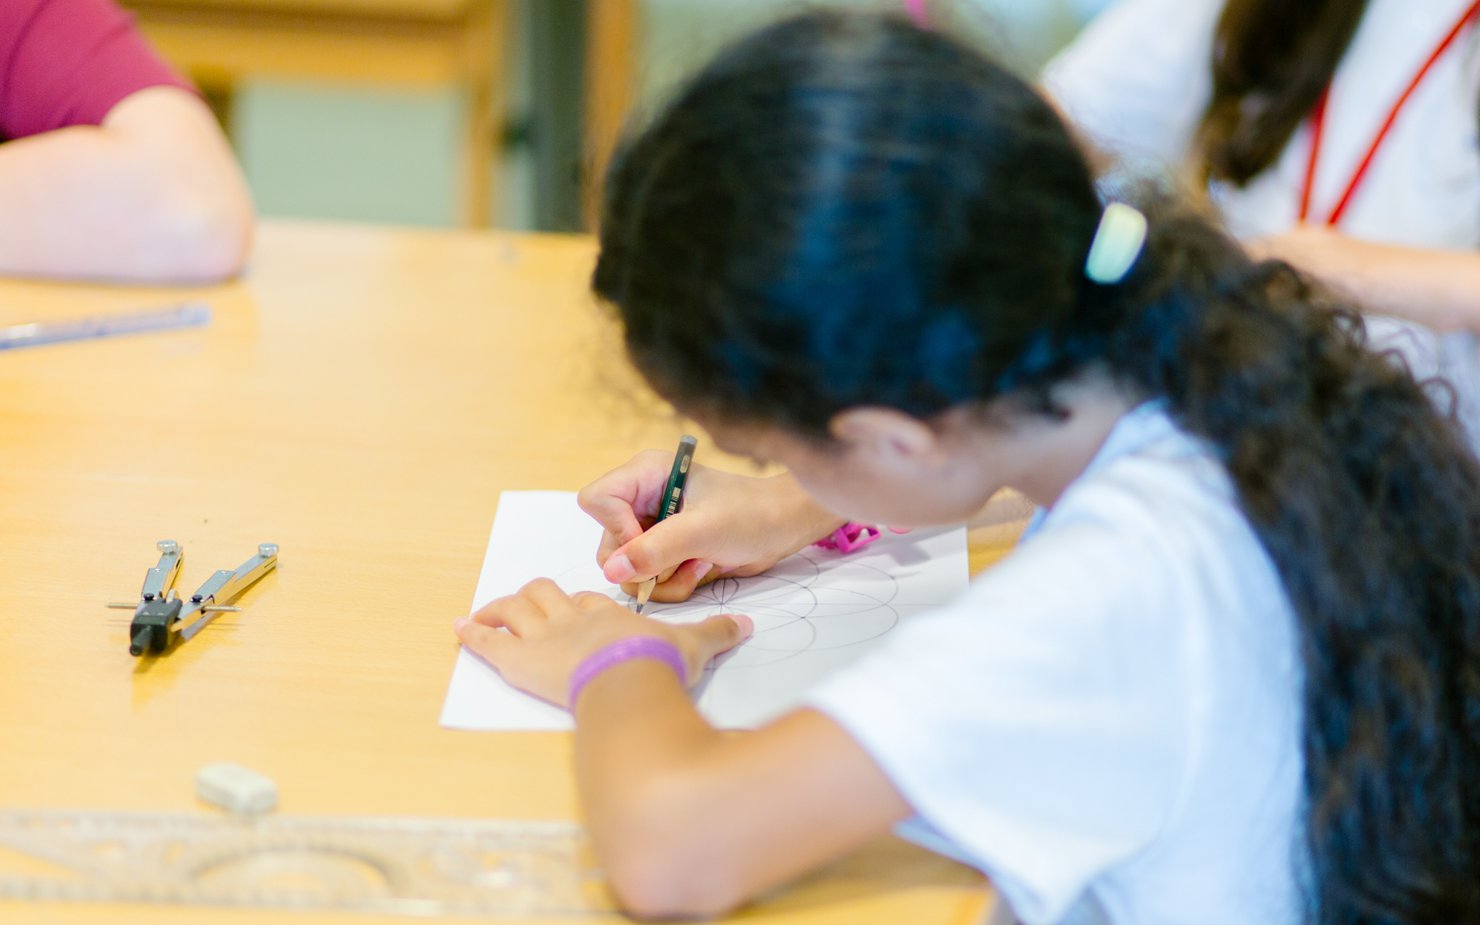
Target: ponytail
x=1368 y=502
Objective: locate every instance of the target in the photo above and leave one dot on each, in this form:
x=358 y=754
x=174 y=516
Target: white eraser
x=235 y=788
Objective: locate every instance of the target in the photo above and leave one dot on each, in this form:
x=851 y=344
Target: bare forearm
x=638 y=735
x=1439 y=289
x=692 y=821
x=616 y=757
x=809 y=522
x=686 y=820
x=151 y=195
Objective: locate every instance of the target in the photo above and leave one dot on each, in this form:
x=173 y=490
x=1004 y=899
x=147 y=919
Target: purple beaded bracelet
x=625 y=650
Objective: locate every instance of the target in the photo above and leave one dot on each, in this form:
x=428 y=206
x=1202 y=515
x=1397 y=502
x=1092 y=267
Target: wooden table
x=418 y=43
x=361 y=398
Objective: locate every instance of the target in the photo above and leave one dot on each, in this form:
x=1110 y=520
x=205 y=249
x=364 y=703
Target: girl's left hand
x=537 y=637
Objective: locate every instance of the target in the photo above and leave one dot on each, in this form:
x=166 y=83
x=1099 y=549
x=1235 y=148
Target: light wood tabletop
x=361 y=397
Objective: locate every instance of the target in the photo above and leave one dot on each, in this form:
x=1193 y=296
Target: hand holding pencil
x=725 y=524
x=669 y=502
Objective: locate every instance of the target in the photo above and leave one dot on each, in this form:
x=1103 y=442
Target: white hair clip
x=1117 y=244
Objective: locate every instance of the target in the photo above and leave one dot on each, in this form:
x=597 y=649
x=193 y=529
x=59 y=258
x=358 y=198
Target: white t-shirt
x=1107 y=722
x=1139 y=77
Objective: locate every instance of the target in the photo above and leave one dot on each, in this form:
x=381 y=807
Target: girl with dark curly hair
x=1232 y=673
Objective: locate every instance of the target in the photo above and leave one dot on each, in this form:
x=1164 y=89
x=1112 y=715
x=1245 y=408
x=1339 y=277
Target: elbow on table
x=662 y=863
x=201 y=239
x=169 y=191
x=660 y=886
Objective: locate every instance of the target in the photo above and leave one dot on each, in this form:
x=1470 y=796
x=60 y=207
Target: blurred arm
x=152 y=194
x=1439 y=289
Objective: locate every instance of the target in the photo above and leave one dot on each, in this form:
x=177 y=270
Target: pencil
x=35 y=334
x=672 y=500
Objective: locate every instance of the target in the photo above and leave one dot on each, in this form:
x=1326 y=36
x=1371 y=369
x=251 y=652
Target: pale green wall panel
x=353 y=153
x=389 y=155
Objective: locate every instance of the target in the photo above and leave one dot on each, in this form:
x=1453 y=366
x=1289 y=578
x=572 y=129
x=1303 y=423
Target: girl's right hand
x=728 y=525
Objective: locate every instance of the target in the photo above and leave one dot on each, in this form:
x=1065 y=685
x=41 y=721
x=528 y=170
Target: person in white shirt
x=1233 y=673
x=1341 y=135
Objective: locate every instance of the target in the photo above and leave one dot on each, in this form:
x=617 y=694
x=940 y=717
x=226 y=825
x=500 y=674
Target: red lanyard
x=1318 y=124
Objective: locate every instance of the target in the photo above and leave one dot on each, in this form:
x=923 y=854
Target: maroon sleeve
x=68 y=62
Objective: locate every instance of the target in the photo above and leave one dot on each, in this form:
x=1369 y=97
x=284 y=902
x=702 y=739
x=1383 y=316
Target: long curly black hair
x=847 y=210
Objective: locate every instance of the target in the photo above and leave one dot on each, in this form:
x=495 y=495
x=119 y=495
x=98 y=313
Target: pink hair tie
x=625 y=650
x=851 y=537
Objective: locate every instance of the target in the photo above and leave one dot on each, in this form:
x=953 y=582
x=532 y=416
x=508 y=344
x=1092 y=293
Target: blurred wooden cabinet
x=611 y=64
x=458 y=43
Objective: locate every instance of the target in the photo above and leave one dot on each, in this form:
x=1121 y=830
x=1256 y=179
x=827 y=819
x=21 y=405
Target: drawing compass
x=161 y=616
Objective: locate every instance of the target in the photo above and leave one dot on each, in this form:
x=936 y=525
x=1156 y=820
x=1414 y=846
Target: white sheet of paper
x=814 y=612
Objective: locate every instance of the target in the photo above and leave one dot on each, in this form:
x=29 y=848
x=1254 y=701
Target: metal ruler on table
x=406 y=866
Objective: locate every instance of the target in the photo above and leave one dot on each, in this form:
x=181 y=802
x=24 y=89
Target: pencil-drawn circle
x=796 y=607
